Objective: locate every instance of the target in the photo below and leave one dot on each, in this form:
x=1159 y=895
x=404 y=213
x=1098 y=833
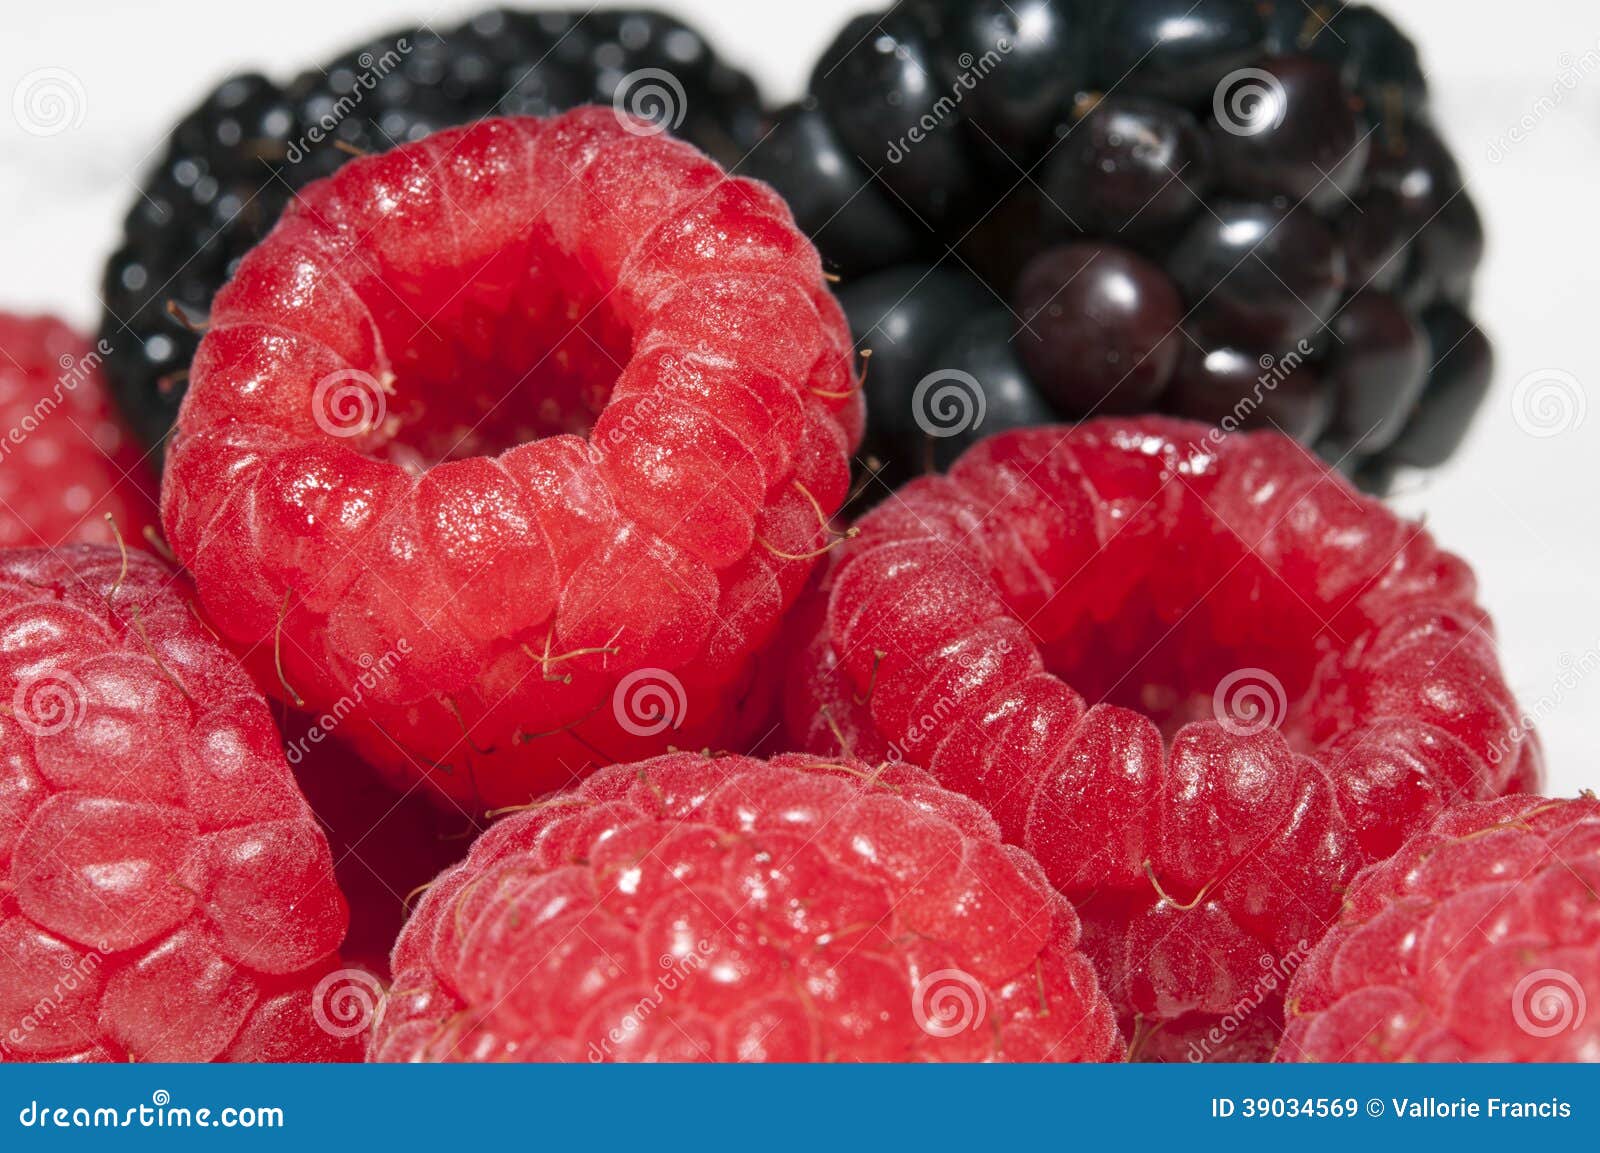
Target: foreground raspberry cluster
x=1201 y=679
x=508 y=465
x=165 y=894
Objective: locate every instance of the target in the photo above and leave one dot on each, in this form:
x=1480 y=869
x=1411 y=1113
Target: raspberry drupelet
x=726 y=908
x=1198 y=676
x=553 y=414
x=1478 y=941
x=165 y=894
x=66 y=461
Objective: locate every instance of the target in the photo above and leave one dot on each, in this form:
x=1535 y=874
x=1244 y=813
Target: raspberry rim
x=951 y=628
x=319 y=512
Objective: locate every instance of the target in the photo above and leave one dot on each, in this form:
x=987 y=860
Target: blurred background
x=1516 y=91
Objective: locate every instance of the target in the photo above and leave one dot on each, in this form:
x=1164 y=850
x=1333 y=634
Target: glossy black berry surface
x=232 y=164
x=1237 y=210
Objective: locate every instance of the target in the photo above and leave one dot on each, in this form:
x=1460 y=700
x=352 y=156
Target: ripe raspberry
x=691 y=908
x=229 y=167
x=164 y=892
x=65 y=460
x=1195 y=674
x=541 y=418
x=1478 y=941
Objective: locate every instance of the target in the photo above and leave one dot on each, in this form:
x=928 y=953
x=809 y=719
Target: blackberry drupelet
x=232 y=164
x=1267 y=167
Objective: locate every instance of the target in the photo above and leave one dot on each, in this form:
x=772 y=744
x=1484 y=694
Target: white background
x=1520 y=507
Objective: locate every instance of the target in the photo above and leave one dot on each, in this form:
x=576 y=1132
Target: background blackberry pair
x=1221 y=210
x=1039 y=209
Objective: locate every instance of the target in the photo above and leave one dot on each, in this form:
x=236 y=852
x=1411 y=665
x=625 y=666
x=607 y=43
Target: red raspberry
x=691 y=908
x=1195 y=674
x=65 y=460
x=165 y=894
x=553 y=412
x=1478 y=941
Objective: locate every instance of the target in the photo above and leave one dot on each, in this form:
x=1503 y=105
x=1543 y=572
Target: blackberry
x=1236 y=210
x=233 y=163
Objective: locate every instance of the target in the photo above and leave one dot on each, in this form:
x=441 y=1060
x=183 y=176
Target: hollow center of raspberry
x=523 y=347
x=1207 y=665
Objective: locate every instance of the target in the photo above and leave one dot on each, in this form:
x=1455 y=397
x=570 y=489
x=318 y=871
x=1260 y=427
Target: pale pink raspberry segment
x=1478 y=941
x=69 y=469
x=1197 y=676
x=165 y=893
x=528 y=408
x=692 y=908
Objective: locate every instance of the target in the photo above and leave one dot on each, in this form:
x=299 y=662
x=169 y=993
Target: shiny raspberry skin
x=1068 y=628
x=165 y=894
x=524 y=550
x=65 y=459
x=697 y=908
x=1478 y=941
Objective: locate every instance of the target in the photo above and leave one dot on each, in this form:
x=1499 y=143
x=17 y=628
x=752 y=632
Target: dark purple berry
x=1176 y=50
x=1375 y=58
x=1372 y=232
x=1098 y=328
x=1377 y=369
x=1259 y=275
x=985 y=349
x=1237 y=389
x=1289 y=128
x=1461 y=368
x=1016 y=65
x=901 y=317
x=877 y=83
x=1129 y=168
x=852 y=218
x=1446 y=254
